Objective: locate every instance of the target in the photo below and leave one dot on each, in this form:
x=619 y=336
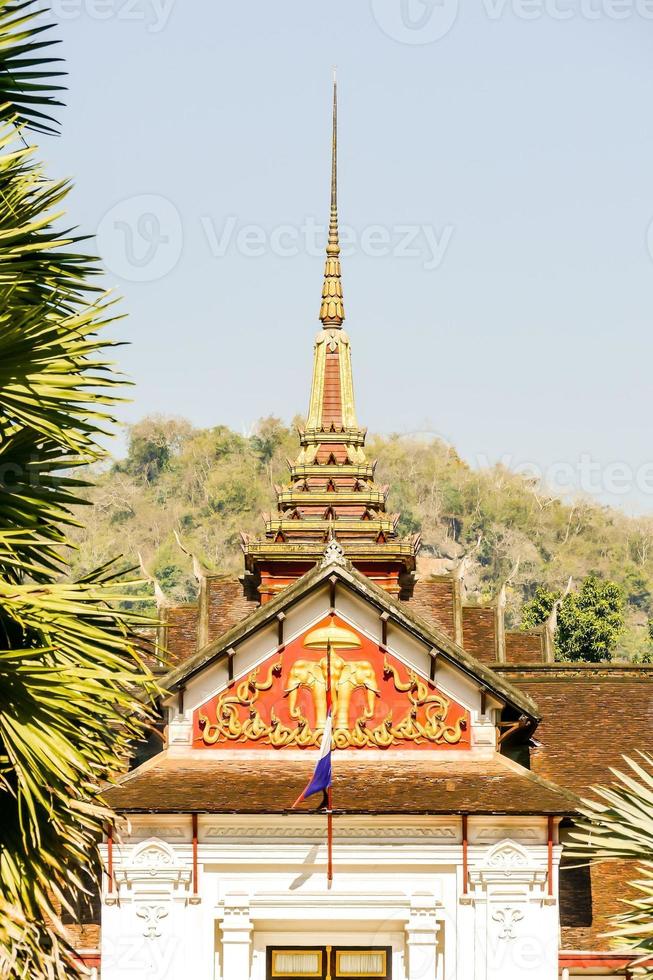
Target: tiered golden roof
x=332 y=492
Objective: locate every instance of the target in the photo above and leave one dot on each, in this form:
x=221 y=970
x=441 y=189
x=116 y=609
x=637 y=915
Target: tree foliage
x=590 y=620
x=73 y=688
x=538 y=609
x=214 y=483
x=152 y=444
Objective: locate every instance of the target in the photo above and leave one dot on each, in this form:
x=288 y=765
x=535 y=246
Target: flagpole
x=330 y=789
x=321 y=780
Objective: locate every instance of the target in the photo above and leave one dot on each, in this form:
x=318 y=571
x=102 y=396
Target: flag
x=320 y=781
x=321 y=778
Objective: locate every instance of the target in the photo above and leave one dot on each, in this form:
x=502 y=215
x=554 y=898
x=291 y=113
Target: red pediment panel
x=378 y=702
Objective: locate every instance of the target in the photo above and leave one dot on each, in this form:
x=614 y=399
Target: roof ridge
x=540 y=780
x=412 y=621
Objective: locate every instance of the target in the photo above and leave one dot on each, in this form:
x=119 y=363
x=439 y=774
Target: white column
x=422 y=938
x=149 y=928
x=516 y=923
x=236 y=938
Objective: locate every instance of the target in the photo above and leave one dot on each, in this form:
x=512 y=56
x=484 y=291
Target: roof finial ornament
x=334 y=553
x=332 y=310
x=162 y=601
x=198 y=571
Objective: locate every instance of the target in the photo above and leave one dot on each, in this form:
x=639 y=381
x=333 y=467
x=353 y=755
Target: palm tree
x=74 y=691
x=619 y=825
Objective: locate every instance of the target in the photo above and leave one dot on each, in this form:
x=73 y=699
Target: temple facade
x=460 y=750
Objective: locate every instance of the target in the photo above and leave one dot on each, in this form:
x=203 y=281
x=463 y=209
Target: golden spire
x=332 y=310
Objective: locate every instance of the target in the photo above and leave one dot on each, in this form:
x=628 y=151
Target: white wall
x=397 y=882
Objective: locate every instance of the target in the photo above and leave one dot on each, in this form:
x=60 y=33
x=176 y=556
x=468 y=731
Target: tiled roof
x=177 y=784
x=591 y=716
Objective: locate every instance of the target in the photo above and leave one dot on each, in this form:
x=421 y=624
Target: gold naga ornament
x=347 y=676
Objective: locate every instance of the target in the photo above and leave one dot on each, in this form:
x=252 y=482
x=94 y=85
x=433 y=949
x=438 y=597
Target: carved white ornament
x=317 y=833
x=333 y=338
x=507 y=857
x=154 y=857
x=334 y=554
x=507 y=919
x=152 y=869
x=152 y=914
x=508 y=863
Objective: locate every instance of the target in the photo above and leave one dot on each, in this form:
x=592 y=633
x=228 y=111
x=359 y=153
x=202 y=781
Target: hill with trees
x=210 y=484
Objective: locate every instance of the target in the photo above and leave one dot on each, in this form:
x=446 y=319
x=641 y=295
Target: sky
x=496 y=201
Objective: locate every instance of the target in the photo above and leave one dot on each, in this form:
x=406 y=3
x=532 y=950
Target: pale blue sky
x=511 y=157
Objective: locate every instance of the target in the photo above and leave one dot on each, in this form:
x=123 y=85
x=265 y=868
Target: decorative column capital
x=153 y=868
x=507 y=867
x=423 y=908
x=422 y=931
x=236 y=936
x=236 y=921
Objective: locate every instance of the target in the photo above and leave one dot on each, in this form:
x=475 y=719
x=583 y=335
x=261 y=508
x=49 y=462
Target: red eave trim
x=90 y=960
x=585 y=961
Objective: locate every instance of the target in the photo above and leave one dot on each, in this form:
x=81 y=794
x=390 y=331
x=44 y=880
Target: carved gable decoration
x=378 y=702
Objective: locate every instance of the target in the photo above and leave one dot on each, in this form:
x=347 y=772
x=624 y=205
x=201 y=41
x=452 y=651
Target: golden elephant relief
x=347 y=676
x=246 y=713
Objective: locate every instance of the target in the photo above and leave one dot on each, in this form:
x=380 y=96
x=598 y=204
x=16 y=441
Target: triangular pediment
x=379 y=701
x=389 y=633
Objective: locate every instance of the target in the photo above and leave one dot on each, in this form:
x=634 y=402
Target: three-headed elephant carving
x=354 y=674
x=346 y=677
x=307 y=674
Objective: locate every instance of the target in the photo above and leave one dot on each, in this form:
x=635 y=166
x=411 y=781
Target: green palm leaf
x=619 y=825
x=26 y=90
x=75 y=691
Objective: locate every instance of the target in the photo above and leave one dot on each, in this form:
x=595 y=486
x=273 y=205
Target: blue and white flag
x=320 y=781
x=321 y=778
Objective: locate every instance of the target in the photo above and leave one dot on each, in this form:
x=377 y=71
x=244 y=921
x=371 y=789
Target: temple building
x=460 y=750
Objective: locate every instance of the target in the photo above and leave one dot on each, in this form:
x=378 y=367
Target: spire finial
x=334 y=151
x=332 y=311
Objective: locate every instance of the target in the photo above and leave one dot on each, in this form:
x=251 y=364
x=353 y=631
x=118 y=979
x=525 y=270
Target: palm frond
x=618 y=825
x=75 y=688
x=27 y=88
